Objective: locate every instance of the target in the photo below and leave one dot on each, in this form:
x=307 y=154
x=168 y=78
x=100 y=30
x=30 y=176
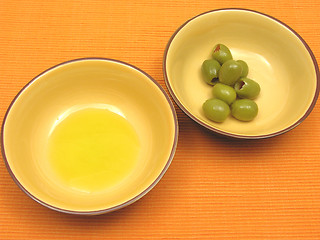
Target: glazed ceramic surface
x=278 y=59
x=72 y=86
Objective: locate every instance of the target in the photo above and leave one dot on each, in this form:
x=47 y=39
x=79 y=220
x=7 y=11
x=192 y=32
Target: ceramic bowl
x=79 y=84
x=278 y=59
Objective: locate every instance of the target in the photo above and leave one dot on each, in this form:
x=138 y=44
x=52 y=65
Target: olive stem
x=217 y=48
x=242 y=83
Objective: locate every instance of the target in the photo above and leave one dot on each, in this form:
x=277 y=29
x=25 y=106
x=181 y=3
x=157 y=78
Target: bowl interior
x=277 y=58
x=97 y=83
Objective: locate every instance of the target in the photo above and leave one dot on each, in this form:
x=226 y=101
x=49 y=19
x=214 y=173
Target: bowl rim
x=118 y=206
x=224 y=133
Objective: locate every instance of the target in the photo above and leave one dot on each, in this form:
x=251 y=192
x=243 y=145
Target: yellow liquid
x=93 y=149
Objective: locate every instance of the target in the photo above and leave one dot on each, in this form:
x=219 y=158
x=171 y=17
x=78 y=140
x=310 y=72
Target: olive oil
x=93 y=149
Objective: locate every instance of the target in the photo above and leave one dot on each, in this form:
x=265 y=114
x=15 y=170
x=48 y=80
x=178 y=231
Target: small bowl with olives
x=241 y=73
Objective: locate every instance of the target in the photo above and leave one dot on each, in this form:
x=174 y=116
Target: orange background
x=215 y=188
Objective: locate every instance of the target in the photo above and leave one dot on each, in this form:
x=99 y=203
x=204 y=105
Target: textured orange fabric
x=216 y=188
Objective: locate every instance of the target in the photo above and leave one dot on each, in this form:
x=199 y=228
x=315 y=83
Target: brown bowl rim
x=221 y=132
x=119 y=206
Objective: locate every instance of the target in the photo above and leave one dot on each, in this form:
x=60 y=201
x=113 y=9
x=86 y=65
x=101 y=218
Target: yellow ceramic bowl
x=98 y=84
x=278 y=59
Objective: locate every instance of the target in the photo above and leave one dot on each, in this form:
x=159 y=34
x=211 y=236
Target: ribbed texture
x=215 y=188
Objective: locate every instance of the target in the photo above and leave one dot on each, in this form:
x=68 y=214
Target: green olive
x=224 y=93
x=210 y=69
x=247 y=88
x=216 y=109
x=244 y=109
x=221 y=53
x=245 y=68
x=230 y=72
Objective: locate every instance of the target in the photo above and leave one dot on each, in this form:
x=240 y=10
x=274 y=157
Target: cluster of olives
x=231 y=87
